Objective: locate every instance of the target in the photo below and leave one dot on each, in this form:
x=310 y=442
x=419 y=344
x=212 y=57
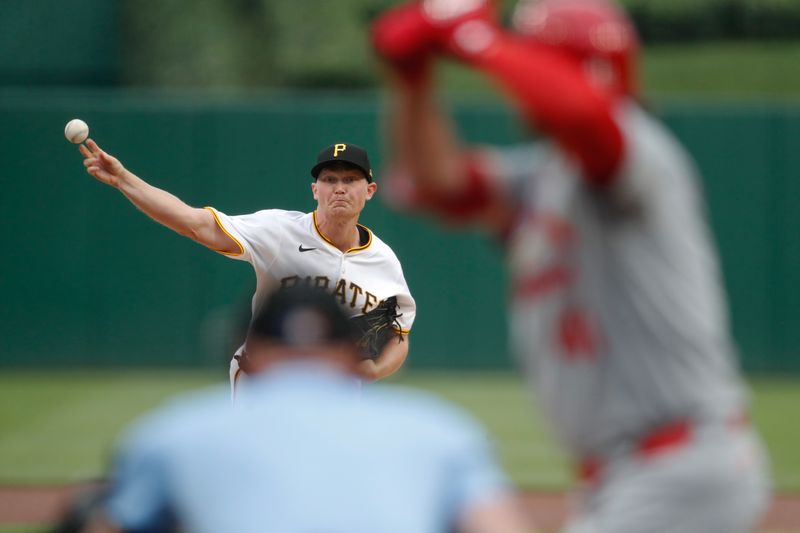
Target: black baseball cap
x=302 y=316
x=346 y=153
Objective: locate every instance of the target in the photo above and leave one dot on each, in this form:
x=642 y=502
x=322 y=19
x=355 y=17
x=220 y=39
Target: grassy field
x=60 y=426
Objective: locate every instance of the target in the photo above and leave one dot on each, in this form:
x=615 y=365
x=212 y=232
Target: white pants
x=716 y=483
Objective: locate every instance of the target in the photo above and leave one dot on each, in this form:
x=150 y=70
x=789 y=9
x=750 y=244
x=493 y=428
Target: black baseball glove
x=376 y=328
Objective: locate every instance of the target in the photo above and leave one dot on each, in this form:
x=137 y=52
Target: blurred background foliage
x=725 y=47
x=322 y=44
x=662 y=21
x=247 y=43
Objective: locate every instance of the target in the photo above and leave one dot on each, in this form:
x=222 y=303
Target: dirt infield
x=548 y=510
x=43 y=505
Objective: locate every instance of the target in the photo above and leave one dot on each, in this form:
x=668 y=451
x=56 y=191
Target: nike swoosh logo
x=305 y=249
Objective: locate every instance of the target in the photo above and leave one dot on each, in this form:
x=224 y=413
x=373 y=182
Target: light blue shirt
x=304 y=451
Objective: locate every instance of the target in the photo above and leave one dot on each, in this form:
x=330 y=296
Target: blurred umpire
x=617 y=310
x=307 y=451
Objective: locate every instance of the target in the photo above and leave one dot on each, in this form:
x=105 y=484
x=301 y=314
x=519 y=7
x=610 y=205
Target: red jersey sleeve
x=555 y=97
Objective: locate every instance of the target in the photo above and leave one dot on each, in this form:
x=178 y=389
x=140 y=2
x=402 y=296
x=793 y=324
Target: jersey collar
x=326 y=239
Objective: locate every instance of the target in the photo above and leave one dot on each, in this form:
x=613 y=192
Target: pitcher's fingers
x=93 y=147
x=98 y=173
x=84 y=151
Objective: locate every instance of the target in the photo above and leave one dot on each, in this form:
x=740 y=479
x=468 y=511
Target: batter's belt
x=663 y=439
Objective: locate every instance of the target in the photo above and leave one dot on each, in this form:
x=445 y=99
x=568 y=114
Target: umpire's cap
x=302 y=316
x=345 y=153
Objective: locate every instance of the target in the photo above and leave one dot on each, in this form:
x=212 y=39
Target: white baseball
x=76 y=131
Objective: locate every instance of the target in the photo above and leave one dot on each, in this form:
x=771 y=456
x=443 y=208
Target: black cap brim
x=316 y=169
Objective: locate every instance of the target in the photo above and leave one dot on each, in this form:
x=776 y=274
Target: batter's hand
x=402 y=34
x=103 y=167
x=408 y=32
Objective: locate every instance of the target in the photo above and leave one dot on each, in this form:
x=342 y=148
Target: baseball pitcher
x=327 y=248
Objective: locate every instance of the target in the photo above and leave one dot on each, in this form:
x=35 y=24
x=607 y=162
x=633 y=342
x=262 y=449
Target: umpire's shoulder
x=422 y=412
x=172 y=420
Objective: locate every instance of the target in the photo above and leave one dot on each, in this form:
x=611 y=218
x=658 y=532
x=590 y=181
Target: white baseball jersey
x=287 y=248
x=618 y=311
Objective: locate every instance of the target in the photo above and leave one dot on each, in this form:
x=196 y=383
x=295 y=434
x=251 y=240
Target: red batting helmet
x=597 y=32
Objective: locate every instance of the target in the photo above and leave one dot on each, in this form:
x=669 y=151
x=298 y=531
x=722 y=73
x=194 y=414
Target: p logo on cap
x=343 y=152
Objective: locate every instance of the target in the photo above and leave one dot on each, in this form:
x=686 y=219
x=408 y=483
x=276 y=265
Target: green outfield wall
x=86 y=279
